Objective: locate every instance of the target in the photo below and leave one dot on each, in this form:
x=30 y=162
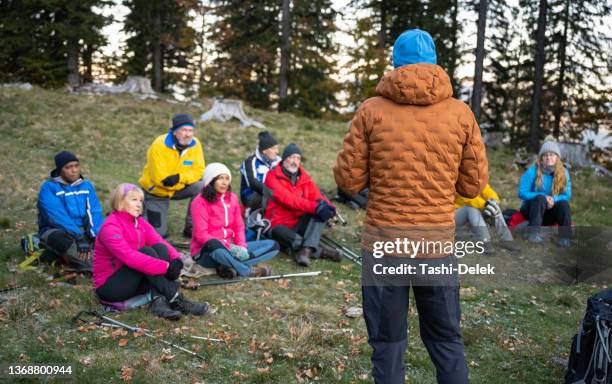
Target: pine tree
x=580 y=88
x=43 y=40
x=246 y=35
x=161 y=40
x=312 y=89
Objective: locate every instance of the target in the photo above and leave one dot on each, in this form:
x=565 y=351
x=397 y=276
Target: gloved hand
x=492 y=208
x=325 y=211
x=239 y=252
x=174 y=269
x=170 y=180
x=83 y=247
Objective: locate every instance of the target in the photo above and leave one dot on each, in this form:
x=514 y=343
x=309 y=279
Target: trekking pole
x=133 y=329
x=244 y=279
x=346 y=252
x=9 y=289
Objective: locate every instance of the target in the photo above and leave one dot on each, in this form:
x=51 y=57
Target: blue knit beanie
x=181 y=120
x=414 y=46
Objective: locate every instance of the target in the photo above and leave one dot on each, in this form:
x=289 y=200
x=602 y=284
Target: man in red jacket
x=297 y=210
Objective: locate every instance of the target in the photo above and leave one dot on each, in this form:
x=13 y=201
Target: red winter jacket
x=288 y=202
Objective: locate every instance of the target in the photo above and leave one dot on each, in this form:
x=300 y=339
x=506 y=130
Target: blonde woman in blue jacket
x=546 y=189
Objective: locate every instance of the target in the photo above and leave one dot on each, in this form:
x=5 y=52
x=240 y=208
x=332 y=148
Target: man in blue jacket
x=69 y=214
x=255 y=168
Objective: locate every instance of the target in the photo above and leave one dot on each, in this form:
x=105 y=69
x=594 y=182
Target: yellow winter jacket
x=163 y=160
x=477 y=202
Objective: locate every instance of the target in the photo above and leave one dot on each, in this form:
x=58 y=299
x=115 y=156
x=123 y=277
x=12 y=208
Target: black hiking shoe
x=226 y=272
x=332 y=254
x=188 y=307
x=160 y=308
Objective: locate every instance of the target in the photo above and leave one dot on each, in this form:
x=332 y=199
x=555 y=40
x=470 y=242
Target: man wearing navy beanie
x=173 y=171
x=414 y=146
x=69 y=214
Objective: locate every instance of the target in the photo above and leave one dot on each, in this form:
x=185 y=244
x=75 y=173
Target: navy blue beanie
x=291 y=149
x=414 y=46
x=181 y=120
x=63 y=158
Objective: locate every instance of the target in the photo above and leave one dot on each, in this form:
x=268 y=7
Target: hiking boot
x=187 y=232
x=535 y=237
x=333 y=254
x=226 y=272
x=160 y=307
x=261 y=271
x=489 y=249
x=303 y=256
x=510 y=245
x=564 y=242
x=188 y=307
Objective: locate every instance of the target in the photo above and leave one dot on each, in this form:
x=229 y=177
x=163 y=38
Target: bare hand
x=550 y=202
x=84 y=256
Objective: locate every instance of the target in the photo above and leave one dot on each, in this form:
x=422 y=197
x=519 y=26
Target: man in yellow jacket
x=174 y=170
x=470 y=212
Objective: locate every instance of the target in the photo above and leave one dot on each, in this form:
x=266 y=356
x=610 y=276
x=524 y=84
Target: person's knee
x=563 y=204
x=59 y=241
x=148 y=251
x=540 y=200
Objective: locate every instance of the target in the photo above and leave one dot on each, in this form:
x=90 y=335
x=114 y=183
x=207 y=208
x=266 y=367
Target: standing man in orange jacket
x=414 y=146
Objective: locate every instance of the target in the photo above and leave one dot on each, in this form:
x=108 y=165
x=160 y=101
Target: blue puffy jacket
x=528 y=189
x=253 y=173
x=73 y=207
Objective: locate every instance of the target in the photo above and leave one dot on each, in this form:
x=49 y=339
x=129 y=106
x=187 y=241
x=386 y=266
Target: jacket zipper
x=137 y=233
x=226 y=215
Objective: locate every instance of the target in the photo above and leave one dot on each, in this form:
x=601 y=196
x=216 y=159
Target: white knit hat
x=213 y=170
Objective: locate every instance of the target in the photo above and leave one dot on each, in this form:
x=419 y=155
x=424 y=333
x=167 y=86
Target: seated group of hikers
x=127 y=251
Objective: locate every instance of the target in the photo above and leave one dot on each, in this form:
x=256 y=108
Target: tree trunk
x=559 y=94
x=534 y=129
x=382 y=33
x=157 y=56
x=480 y=52
x=452 y=65
x=202 y=45
x=285 y=52
x=74 y=78
x=87 y=63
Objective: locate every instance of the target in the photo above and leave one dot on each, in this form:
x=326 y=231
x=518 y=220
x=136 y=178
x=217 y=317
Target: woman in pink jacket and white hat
x=218 y=237
x=130 y=258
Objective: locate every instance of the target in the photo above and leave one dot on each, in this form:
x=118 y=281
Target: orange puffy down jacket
x=414 y=146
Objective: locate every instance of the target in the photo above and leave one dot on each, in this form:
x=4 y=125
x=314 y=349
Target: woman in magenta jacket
x=218 y=238
x=130 y=258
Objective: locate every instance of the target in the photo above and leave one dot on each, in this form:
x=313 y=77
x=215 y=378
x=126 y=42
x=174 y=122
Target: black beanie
x=180 y=120
x=291 y=149
x=63 y=158
x=266 y=140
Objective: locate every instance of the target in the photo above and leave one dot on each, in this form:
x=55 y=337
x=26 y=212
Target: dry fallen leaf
x=127 y=373
x=123 y=342
x=264 y=370
x=119 y=332
x=166 y=355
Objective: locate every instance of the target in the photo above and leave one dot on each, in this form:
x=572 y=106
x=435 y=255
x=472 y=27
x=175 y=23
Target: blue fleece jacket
x=528 y=190
x=73 y=207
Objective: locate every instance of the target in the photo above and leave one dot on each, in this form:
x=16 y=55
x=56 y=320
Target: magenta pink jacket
x=220 y=220
x=118 y=242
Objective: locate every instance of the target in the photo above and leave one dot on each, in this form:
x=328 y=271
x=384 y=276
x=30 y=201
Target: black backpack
x=590 y=359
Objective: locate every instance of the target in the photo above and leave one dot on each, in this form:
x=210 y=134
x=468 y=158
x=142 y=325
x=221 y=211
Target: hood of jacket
x=416 y=84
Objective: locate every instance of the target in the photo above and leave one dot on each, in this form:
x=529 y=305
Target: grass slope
x=277 y=331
